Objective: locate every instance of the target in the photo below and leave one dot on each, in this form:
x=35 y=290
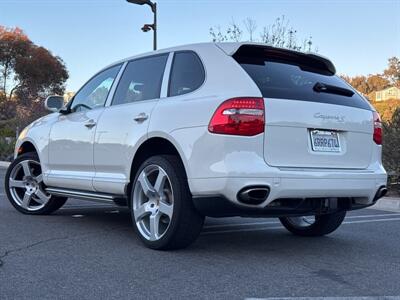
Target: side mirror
x=54 y=103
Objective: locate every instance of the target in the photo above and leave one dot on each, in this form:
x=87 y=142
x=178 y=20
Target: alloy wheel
x=153 y=202
x=26 y=185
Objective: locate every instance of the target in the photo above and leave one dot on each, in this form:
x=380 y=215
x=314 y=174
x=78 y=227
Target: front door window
x=95 y=92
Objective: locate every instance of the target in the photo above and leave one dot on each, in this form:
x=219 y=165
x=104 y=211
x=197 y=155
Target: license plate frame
x=325 y=141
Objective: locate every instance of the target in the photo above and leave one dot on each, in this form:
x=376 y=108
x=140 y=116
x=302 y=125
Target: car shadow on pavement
x=256 y=239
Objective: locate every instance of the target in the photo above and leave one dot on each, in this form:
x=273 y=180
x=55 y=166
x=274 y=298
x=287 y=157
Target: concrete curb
x=387 y=203
x=4 y=164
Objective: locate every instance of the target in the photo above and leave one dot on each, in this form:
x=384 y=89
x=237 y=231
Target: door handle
x=90 y=124
x=141 y=117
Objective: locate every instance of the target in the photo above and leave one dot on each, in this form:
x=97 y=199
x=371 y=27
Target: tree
x=392 y=73
x=14 y=45
x=231 y=33
x=28 y=73
x=370 y=84
x=367 y=84
x=282 y=34
x=278 y=34
x=251 y=27
x=39 y=74
x=359 y=83
x=376 y=83
x=26 y=68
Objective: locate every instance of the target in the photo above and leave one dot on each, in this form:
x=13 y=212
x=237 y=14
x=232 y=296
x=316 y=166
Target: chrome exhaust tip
x=253 y=195
x=380 y=193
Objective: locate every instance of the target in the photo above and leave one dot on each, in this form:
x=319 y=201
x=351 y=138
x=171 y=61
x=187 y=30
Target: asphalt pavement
x=90 y=251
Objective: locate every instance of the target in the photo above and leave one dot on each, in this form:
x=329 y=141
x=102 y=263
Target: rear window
x=294 y=79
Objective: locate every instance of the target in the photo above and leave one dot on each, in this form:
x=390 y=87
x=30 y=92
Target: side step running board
x=84 y=195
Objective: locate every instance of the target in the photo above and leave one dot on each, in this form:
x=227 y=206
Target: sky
x=358 y=36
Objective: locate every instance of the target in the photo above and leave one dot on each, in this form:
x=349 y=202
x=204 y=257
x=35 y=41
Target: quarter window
x=95 y=92
x=187 y=73
x=141 y=80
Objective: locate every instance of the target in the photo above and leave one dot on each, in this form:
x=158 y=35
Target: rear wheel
x=313 y=225
x=161 y=205
x=25 y=188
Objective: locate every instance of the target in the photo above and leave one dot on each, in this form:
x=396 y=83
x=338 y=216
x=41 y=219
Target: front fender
x=37 y=133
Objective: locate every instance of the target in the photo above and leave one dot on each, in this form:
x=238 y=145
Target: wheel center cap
x=30 y=185
x=153 y=206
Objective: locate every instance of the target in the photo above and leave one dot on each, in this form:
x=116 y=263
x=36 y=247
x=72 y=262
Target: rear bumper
x=219 y=206
x=307 y=191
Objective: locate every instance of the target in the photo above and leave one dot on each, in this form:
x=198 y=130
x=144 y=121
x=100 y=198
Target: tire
x=321 y=225
x=25 y=188
x=161 y=205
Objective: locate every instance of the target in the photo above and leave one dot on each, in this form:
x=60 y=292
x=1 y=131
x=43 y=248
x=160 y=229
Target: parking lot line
x=369 y=216
x=77 y=206
x=371 y=221
x=241 y=230
x=281 y=227
x=277 y=222
x=240 y=224
x=330 y=298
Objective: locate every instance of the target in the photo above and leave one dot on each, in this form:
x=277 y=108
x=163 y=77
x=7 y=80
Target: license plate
x=325 y=141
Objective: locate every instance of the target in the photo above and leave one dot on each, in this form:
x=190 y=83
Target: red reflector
x=377 y=128
x=239 y=116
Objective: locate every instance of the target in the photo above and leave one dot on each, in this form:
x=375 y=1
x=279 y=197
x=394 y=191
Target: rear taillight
x=239 y=116
x=377 y=128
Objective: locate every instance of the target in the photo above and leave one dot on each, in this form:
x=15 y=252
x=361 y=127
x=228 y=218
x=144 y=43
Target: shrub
x=6 y=148
x=391 y=146
x=391 y=143
x=387 y=108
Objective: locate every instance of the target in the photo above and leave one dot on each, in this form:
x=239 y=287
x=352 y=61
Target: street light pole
x=148 y=27
x=154 y=9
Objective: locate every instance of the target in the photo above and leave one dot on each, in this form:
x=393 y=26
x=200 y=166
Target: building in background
x=388 y=93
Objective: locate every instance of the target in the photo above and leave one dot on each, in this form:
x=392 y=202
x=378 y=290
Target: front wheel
x=161 y=205
x=25 y=188
x=313 y=225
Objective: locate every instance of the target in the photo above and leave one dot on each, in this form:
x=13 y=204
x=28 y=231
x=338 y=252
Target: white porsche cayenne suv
x=212 y=129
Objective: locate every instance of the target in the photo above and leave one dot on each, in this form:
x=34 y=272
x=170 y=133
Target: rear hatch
x=313 y=119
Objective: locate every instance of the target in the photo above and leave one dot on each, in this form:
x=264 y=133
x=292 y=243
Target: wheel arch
x=156 y=145
x=25 y=147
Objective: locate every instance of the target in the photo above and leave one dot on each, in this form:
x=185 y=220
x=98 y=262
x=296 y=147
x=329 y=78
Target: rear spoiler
x=259 y=52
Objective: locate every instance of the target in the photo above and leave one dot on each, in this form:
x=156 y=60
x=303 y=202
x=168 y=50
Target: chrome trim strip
x=67 y=176
x=327 y=170
x=110 y=179
x=83 y=195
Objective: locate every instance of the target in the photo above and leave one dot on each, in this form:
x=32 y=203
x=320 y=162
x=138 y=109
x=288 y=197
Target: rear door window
x=141 y=80
x=295 y=79
x=187 y=73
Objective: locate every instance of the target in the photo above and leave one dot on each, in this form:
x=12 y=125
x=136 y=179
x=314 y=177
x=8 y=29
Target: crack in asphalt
x=7 y=252
x=332 y=275
x=29 y=246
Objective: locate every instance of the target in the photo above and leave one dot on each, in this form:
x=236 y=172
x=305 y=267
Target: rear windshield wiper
x=320 y=87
